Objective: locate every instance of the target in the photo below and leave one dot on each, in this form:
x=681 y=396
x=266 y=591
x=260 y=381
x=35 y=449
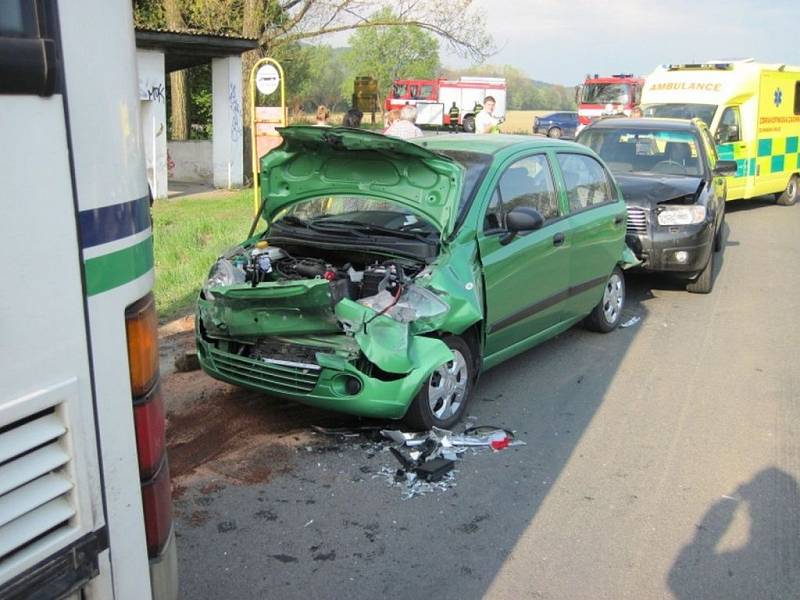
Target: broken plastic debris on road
x=427 y=460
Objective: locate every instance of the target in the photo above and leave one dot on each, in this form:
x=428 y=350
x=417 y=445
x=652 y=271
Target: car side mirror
x=726 y=167
x=522 y=218
x=729 y=133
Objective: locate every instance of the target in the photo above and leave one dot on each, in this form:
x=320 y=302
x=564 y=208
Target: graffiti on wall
x=154 y=92
x=235 y=104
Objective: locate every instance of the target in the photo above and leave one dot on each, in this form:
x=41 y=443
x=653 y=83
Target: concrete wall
x=226 y=114
x=152 y=100
x=191 y=161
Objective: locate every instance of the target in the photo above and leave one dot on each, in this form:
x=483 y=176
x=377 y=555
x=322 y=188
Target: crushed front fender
x=389 y=344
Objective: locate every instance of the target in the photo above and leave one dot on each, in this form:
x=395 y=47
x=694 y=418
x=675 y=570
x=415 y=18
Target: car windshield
x=606 y=93
x=704 y=112
x=355 y=216
x=476 y=165
x=628 y=149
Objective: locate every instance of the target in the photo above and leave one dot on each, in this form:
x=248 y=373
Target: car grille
x=637 y=220
x=280 y=376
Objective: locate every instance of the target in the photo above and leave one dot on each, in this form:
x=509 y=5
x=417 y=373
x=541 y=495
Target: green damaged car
x=391 y=273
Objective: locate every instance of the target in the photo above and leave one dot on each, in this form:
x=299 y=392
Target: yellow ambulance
x=753 y=111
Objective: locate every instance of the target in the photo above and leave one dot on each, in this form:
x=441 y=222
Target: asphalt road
x=661 y=462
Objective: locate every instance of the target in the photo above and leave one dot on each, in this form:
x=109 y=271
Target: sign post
x=266 y=77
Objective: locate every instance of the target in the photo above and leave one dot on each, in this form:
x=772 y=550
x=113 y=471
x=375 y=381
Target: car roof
x=491 y=143
x=644 y=123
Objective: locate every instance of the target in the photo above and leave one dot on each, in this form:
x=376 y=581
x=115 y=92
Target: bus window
x=427 y=92
x=399 y=90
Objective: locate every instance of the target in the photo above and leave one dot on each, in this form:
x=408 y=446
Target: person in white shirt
x=404 y=128
x=485 y=121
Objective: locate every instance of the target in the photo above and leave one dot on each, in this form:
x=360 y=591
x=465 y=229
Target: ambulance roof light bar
x=711 y=65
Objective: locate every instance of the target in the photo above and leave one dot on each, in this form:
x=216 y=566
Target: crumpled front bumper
x=658 y=247
x=334 y=383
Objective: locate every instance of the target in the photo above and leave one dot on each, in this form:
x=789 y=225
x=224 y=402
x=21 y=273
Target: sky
x=560 y=41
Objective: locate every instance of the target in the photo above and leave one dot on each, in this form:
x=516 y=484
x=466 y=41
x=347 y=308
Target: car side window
x=729 y=129
x=527 y=182
x=586 y=180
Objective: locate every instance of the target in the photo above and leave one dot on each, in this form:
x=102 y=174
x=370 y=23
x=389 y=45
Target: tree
x=179 y=86
x=392 y=52
x=325 y=79
x=276 y=23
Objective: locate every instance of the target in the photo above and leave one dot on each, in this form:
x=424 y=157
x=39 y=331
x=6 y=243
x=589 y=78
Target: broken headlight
x=681 y=215
x=222 y=274
x=413 y=303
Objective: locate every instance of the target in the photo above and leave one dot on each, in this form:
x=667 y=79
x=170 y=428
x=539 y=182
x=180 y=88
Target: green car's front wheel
x=607 y=314
x=443 y=398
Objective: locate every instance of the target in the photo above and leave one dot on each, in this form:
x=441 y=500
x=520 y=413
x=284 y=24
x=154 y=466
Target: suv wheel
x=705 y=281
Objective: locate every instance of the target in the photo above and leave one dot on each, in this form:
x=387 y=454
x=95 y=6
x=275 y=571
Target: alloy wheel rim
x=447 y=387
x=613 y=296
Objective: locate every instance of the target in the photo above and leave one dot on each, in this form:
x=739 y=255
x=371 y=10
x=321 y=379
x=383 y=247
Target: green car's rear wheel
x=443 y=398
x=607 y=314
x=791 y=194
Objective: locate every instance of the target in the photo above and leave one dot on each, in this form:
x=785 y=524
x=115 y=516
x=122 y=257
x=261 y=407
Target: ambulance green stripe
x=117 y=268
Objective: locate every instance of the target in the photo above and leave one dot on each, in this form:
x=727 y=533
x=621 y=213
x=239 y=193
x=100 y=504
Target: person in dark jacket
x=352 y=118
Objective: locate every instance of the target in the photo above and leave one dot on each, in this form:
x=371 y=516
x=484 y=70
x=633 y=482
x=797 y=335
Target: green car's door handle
x=619 y=219
x=558 y=238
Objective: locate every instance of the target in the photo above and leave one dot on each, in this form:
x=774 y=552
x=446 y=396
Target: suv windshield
x=645 y=150
x=606 y=93
x=704 y=112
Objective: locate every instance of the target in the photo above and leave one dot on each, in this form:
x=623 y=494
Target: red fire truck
x=607 y=95
x=435 y=97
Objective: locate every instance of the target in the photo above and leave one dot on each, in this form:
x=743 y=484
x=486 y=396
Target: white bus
x=85 y=506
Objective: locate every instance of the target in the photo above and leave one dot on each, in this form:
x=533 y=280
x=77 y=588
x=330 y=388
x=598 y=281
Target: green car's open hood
x=324 y=161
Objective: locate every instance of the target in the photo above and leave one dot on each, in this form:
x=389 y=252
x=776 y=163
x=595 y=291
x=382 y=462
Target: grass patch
x=189 y=234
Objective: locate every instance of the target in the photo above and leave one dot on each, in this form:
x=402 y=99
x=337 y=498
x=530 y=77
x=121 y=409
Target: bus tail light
x=157 y=503
x=141 y=325
x=148 y=417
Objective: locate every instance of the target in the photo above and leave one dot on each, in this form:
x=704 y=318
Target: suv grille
x=637 y=220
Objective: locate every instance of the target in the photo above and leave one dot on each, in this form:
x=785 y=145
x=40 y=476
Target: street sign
x=267 y=79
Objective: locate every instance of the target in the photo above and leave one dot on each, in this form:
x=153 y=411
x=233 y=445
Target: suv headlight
x=681 y=215
x=222 y=274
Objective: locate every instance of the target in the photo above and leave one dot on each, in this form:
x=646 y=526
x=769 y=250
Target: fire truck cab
x=599 y=96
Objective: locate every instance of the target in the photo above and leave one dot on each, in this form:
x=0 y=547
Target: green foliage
x=149 y=14
x=325 y=79
x=393 y=52
x=188 y=235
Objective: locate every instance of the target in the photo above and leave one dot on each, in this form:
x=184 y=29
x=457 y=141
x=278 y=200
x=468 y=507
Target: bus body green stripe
x=117 y=268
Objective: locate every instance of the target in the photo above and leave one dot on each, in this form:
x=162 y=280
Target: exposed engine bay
x=375 y=282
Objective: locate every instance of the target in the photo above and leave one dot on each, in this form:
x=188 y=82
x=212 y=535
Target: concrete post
x=152 y=100
x=226 y=112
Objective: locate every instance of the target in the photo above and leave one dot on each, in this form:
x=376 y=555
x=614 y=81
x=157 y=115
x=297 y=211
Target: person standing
x=352 y=118
x=454 y=114
x=392 y=117
x=405 y=127
x=485 y=121
x=322 y=116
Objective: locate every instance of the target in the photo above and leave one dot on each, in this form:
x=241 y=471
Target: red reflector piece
x=330 y=275
x=148 y=417
x=157 y=504
x=584 y=120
